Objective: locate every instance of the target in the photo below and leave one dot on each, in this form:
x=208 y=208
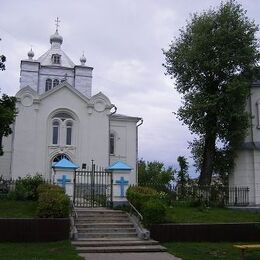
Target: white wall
x=5 y=159
x=33 y=150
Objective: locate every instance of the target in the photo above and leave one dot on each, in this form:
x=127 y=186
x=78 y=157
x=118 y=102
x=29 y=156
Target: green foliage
x=58 y=250
x=209 y=250
x=214 y=61
x=7 y=116
x=44 y=187
x=17 y=209
x=26 y=188
x=155 y=175
x=184 y=213
x=182 y=176
x=154 y=212
x=2 y=62
x=138 y=195
x=53 y=204
x=149 y=202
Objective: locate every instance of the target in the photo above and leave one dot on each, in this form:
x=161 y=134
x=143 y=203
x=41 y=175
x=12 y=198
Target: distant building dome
x=30 y=54
x=56 y=38
x=83 y=60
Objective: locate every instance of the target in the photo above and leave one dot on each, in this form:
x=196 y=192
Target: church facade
x=58 y=117
x=247 y=164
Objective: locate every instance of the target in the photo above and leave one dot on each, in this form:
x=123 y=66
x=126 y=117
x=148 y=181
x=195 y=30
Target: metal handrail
x=74 y=210
x=136 y=211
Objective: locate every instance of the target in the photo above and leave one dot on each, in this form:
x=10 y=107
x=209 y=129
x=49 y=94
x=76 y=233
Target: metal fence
x=93 y=187
x=215 y=195
x=6 y=186
x=218 y=195
x=238 y=196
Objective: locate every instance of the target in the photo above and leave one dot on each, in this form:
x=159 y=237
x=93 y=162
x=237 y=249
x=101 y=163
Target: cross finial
x=57 y=23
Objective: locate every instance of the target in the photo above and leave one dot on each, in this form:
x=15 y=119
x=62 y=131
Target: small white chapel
x=59 y=118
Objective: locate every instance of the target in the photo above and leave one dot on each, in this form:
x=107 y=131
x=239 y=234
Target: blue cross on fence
x=63 y=181
x=122 y=182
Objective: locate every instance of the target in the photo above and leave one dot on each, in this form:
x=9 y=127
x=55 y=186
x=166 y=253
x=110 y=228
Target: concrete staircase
x=102 y=230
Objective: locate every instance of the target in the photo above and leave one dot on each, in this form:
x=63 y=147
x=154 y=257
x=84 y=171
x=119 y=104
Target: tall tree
x=7 y=110
x=155 y=175
x=182 y=173
x=182 y=176
x=214 y=61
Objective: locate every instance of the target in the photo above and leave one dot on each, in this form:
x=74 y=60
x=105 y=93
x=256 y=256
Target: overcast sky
x=123 y=41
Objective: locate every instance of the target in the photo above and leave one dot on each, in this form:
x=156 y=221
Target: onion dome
x=30 y=54
x=83 y=60
x=56 y=38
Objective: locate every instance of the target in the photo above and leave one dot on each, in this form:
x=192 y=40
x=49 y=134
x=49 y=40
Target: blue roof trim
x=119 y=166
x=65 y=164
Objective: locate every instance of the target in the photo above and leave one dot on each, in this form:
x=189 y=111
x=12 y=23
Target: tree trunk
x=208 y=160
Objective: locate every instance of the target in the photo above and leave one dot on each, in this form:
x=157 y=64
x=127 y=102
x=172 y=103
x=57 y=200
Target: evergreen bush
x=26 y=188
x=154 y=212
x=47 y=187
x=53 y=204
x=138 y=195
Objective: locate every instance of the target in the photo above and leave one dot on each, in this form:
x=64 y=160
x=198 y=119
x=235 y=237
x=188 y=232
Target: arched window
x=55 y=82
x=55 y=132
x=55 y=59
x=112 y=143
x=62 y=129
x=63 y=116
x=58 y=157
x=48 y=84
x=68 y=133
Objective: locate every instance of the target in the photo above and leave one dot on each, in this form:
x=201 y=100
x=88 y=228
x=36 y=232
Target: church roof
x=46 y=58
x=119 y=166
x=125 y=117
x=65 y=164
x=56 y=42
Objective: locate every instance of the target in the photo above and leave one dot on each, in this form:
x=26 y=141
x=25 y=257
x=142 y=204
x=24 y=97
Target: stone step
x=107 y=235
x=100 y=213
x=105 y=225
x=108 y=239
x=107 y=243
x=121 y=249
x=100 y=209
x=102 y=216
x=97 y=221
x=106 y=230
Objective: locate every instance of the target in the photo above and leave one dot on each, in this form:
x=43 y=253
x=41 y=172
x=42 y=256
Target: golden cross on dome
x=57 y=23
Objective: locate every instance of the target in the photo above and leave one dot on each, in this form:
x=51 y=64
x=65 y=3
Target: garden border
x=34 y=229
x=193 y=232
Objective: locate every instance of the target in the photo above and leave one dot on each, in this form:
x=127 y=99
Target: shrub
x=53 y=204
x=26 y=188
x=154 y=212
x=49 y=187
x=138 y=195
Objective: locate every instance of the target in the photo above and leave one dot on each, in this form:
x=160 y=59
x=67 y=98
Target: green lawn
x=17 y=209
x=61 y=250
x=208 y=251
x=186 y=214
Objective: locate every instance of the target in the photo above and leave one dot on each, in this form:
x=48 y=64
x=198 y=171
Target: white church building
x=247 y=164
x=59 y=117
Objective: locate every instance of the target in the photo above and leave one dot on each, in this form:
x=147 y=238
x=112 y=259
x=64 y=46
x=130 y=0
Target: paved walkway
x=129 y=256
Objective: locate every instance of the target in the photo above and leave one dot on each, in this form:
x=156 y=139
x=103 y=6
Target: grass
x=61 y=250
x=208 y=251
x=17 y=209
x=186 y=214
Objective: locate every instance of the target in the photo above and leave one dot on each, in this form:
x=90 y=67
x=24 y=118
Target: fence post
x=74 y=186
x=92 y=183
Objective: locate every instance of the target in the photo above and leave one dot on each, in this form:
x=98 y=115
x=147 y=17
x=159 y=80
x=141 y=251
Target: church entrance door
x=93 y=187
